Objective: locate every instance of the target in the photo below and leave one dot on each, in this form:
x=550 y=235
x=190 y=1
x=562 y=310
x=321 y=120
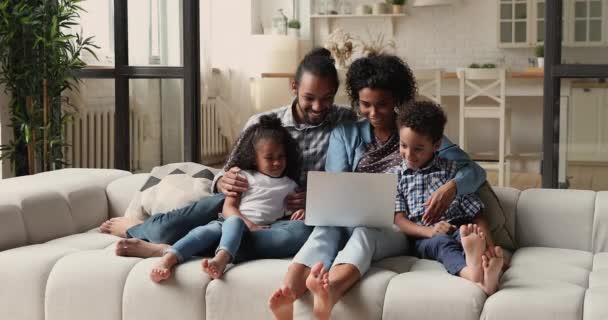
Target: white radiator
x=214 y=146
x=90 y=139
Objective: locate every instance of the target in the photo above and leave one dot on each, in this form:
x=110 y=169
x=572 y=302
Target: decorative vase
x=363 y=9
x=540 y=62
x=397 y=8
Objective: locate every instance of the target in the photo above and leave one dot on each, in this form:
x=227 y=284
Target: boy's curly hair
x=385 y=72
x=425 y=118
x=268 y=127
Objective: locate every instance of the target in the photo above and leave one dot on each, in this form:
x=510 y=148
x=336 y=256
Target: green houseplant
x=398 y=6
x=38 y=57
x=293 y=27
x=539 y=52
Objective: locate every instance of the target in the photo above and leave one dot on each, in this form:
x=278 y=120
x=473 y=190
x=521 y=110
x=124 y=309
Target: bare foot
x=139 y=248
x=281 y=303
x=474 y=245
x=491 y=271
x=216 y=266
x=118 y=226
x=318 y=283
x=162 y=269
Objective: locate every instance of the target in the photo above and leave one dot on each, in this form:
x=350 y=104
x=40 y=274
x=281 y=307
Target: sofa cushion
x=600 y=223
x=555 y=218
x=23 y=277
x=408 y=296
x=91 y=240
x=121 y=191
x=544 y=283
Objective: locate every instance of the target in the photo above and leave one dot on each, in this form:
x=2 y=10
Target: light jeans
x=360 y=246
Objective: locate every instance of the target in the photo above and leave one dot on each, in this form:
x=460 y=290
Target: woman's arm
x=337 y=157
x=470 y=175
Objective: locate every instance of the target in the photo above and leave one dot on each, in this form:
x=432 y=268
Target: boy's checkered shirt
x=416 y=186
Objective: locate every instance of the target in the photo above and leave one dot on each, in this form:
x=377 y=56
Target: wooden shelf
x=334 y=16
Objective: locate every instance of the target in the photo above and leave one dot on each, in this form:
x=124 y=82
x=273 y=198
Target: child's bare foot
x=474 y=245
x=139 y=248
x=318 y=283
x=281 y=303
x=162 y=269
x=491 y=271
x=118 y=226
x=216 y=266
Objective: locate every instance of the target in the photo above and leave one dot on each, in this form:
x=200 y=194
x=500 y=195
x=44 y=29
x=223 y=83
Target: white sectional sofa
x=54 y=265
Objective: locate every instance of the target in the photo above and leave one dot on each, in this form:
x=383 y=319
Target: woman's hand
x=232 y=183
x=296 y=200
x=439 y=202
x=298 y=215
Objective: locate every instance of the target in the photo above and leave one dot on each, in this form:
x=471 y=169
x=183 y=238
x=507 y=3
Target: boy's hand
x=232 y=183
x=442 y=227
x=439 y=202
x=298 y=215
x=254 y=227
x=296 y=200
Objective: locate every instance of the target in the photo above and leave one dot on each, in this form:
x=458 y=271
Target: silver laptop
x=349 y=199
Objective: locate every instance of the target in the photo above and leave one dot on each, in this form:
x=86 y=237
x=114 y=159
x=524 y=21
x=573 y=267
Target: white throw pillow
x=171 y=187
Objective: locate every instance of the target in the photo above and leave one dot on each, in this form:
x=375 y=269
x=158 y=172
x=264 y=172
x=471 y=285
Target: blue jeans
x=199 y=240
x=170 y=227
x=283 y=239
x=444 y=248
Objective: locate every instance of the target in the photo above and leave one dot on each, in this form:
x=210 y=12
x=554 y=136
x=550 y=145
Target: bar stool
x=429 y=84
x=478 y=83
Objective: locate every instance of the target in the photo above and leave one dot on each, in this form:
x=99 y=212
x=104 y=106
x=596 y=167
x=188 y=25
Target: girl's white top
x=264 y=202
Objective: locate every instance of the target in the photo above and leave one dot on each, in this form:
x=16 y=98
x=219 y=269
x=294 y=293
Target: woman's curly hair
x=268 y=127
x=385 y=72
x=425 y=118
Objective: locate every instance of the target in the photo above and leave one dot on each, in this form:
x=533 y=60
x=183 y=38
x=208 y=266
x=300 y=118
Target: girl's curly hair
x=268 y=127
x=385 y=72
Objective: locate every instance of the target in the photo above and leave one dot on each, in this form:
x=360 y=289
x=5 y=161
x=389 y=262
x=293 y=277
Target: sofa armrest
x=50 y=205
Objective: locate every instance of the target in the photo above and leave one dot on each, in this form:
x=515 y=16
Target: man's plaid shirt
x=416 y=186
x=312 y=140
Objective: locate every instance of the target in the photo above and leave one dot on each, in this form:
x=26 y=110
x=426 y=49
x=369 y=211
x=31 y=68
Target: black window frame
x=122 y=72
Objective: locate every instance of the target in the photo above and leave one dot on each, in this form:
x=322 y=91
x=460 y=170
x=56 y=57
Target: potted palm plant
x=38 y=57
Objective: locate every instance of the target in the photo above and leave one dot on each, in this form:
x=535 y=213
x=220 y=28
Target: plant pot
x=540 y=62
x=293 y=32
x=397 y=8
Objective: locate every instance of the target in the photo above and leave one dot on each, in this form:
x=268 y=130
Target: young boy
x=456 y=241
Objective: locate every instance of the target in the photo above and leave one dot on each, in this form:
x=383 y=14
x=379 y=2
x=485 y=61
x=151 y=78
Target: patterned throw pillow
x=498 y=220
x=171 y=187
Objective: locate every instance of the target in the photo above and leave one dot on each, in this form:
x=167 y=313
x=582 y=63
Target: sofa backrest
x=45 y=206
x=570 y=219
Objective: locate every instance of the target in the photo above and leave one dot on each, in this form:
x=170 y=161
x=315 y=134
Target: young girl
x=269 y=158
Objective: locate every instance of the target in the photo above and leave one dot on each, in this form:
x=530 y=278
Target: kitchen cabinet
x=588 y=125
x=521 y=23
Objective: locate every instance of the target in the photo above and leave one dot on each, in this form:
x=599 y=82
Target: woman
x=378 y=85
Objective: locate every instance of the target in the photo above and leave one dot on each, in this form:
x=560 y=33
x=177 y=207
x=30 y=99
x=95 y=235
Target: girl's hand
x=439 y=202
x=298 y=215
x=254 y=227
